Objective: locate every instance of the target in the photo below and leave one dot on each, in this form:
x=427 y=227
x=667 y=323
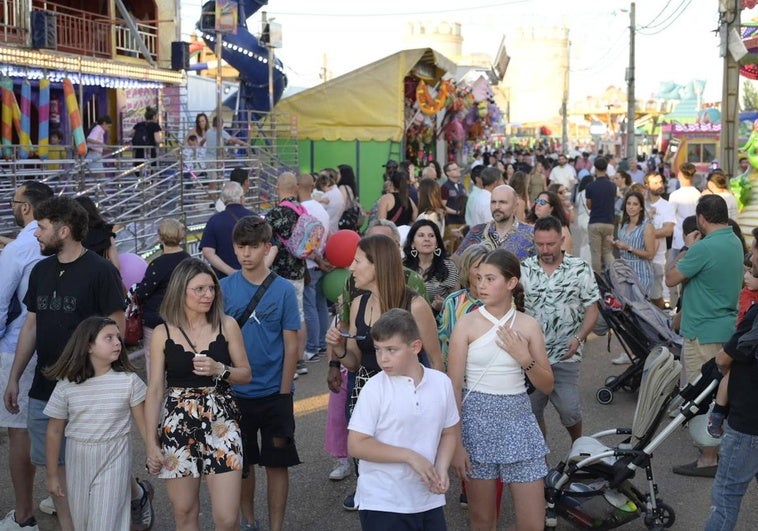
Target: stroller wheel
x=610 y=380
x=663 y=518
x=604 y=395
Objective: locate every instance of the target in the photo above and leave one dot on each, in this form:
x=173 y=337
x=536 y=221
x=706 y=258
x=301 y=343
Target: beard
x=657 y=192
x=52 y=248
x=18 y=219
x=500 y=217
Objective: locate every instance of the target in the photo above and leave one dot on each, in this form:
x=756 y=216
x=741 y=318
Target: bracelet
x=334 y=363
x=530 y=366
x=343 y=355
x=581 y=341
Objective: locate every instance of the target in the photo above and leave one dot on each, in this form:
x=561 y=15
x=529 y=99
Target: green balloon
x=333 y=283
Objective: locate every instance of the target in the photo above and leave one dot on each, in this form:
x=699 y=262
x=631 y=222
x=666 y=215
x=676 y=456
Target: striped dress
x=642 y=266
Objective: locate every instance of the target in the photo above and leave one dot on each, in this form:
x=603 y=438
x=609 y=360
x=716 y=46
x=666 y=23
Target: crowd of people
x=465 y=312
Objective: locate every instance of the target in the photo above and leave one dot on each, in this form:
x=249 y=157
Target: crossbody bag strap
x=256 y=299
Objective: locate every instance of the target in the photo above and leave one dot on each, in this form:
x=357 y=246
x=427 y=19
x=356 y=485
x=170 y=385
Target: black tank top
x=366 y=345
x=405 y=215
x=179 y=362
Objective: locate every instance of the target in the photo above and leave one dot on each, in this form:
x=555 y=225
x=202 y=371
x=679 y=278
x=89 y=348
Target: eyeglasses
x=202 y=290
x=14 y=202
x=346 y=335
x=541 y=202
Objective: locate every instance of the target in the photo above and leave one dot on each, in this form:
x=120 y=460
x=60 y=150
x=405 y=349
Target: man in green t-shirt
x=712 y=269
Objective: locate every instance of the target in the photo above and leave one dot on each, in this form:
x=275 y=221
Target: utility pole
x=631 y=150
x=266 y=38
x=729 y=15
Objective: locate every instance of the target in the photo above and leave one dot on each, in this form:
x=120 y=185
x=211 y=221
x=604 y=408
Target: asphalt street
x=315 y=502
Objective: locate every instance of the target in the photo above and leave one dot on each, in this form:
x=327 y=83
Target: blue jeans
x=738 y=465
x=316 y=313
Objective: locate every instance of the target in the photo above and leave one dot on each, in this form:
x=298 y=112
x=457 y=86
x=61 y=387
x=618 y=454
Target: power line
x=668 y=3
x=674 y=17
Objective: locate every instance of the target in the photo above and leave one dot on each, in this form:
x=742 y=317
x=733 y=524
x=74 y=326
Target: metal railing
x=79 y=32
x=135 y=195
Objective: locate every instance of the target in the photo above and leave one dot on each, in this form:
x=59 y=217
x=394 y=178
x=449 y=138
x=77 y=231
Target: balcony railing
x=13 y=21
x=77 y=32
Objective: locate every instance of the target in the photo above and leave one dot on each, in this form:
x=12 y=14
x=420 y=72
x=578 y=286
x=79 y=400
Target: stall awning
x=365 y=104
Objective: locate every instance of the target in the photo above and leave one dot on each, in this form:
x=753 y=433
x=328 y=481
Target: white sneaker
x=340 y=472
x=9 y=523
x=47 y=506
x=623 y=359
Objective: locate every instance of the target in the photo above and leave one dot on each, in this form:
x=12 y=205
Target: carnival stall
x=365 y=117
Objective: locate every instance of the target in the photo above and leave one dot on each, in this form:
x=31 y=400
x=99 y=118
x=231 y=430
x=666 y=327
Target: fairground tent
x=366 y=104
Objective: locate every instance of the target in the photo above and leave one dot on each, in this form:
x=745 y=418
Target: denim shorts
x=37 y=425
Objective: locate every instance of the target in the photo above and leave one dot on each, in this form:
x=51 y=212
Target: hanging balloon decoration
x=429 y=104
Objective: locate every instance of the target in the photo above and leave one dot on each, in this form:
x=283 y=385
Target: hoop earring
x=414 y=252
x=437 y=251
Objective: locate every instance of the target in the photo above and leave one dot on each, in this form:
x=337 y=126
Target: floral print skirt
x=199 y=432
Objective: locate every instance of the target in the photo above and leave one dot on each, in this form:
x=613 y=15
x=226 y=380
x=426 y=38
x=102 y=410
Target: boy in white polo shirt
x=403 y=430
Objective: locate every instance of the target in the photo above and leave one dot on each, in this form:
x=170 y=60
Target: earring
x=437 y=251
x=414 y=252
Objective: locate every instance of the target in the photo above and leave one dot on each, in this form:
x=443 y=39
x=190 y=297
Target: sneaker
x=301 y=368
x=623 y=359
x=310 y=357
x=463 y=500
x=340 y=472
x=349 y=503
x=47 y=506
x=295 y=377
x=9 y=523
x=142 y=509
x=246 y=526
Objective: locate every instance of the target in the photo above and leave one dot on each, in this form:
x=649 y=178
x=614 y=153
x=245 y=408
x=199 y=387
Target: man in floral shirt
x=283 y=220
x=561 y=293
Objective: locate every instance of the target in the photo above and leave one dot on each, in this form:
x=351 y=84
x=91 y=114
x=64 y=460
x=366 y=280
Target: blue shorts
x=36 y=422
x=431 y=520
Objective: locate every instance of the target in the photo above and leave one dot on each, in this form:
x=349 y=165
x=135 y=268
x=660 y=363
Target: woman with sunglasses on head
x=192 y=426
x=549 y=204
x=385 y=288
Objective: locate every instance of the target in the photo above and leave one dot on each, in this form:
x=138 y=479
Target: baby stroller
x=639 y=325
x=592 y=487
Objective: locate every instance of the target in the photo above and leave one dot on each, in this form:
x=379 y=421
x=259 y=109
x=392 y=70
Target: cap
x=390 y=164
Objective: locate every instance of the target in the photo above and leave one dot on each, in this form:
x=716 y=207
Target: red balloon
x=341 y=246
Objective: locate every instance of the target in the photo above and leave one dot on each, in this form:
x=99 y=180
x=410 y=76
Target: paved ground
x=315 y=502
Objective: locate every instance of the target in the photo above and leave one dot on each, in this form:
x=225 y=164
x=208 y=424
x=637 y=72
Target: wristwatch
x=334 y=363
x=225 y=374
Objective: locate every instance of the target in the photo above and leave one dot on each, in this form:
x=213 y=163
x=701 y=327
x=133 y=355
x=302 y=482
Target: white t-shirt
x=480 y=207
x=317 y=210
x=565 y=176
x=99 y=408
x=394 y=411
x=683 y=201
x=663 y=213
x=475 y=190
x=334 y=208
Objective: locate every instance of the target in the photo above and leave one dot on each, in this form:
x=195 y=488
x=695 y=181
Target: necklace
x=62 y=266
x=192 y=345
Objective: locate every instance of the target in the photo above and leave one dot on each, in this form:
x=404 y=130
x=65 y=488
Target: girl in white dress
x=96 y=396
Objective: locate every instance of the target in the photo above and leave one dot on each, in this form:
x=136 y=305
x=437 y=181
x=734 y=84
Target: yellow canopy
x=365 y=104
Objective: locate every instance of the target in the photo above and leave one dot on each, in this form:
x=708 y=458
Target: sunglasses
x=541 y=202
x=346 y=335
